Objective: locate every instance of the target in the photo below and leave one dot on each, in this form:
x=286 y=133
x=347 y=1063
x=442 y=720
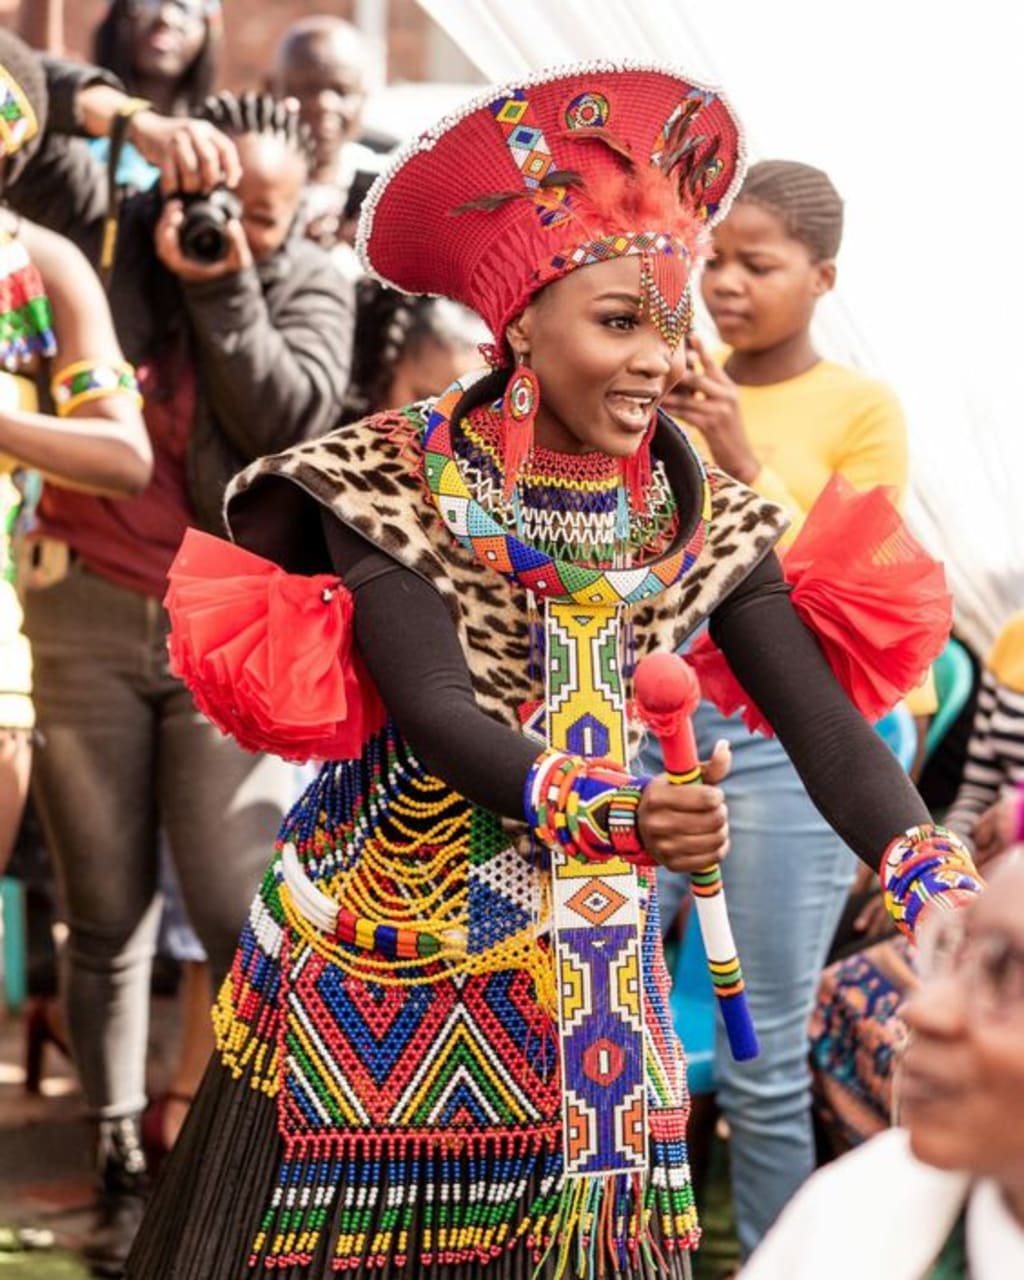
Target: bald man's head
x=323 y=62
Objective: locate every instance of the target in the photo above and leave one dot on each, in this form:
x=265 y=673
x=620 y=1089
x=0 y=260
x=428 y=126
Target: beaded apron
x=596 y=909
x=395 y=986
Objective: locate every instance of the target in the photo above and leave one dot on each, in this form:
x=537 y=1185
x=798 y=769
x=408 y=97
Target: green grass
x=42 y=1264
x=719 y=1253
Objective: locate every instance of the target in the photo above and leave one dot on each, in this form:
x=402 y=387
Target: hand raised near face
x=686 y=828
x=706 y=398
x=168 y=248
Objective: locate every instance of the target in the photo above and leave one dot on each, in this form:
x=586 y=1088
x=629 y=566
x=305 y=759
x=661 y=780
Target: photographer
x=241 y=352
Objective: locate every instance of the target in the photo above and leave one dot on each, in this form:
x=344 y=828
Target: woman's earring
x=519 y=407
x=637 y=473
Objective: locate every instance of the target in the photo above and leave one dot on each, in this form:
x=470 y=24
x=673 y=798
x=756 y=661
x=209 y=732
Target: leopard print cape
x=369 y=474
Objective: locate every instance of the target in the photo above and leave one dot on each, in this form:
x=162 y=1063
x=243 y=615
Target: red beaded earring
x=519 y=407
x=636 y=472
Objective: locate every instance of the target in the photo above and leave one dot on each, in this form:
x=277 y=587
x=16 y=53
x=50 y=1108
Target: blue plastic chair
x=899 y=733
x=953 y=672
x=15 y=948
x=693 y=1008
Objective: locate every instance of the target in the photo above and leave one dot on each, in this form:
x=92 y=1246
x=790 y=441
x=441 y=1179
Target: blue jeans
x=786 y=879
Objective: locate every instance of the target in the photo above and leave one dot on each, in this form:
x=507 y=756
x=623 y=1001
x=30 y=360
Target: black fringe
x=206 y=1207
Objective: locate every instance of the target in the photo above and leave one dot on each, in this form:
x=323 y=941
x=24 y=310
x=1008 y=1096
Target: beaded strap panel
x=596 y=914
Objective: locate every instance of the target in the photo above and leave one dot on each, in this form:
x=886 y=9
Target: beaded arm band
x=87 y=380
x=18 y=122
x=927 y=868
x=589 y=807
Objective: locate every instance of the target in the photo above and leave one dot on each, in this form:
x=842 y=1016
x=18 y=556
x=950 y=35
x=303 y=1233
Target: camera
x=203 y=235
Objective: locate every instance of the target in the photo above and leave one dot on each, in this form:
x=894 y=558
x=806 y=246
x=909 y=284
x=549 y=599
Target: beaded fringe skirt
x=206 y=1210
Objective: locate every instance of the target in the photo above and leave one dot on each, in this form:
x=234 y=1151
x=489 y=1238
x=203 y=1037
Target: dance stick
x=667 y=693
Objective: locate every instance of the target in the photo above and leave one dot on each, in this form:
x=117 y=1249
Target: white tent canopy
x=914 y=111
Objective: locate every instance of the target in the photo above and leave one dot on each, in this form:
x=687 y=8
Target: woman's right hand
x=686 y=828
x=192 y=155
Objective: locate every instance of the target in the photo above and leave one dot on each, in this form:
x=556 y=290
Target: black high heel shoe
x=39 y=1032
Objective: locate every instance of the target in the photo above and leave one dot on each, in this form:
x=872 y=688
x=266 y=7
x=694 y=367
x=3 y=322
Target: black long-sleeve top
x=410 y=646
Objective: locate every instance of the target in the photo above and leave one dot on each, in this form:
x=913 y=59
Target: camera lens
x=203 y=234
x=203 y=242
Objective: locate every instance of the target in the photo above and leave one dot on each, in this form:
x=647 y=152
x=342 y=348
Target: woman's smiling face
x=602 y=365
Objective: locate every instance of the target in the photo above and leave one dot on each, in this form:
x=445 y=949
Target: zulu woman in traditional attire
x=444 y=1049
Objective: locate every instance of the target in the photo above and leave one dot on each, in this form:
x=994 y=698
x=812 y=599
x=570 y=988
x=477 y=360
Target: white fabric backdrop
x=914 y=110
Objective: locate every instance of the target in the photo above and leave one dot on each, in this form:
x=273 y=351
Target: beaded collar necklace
x=557 y=580
x=572 y=506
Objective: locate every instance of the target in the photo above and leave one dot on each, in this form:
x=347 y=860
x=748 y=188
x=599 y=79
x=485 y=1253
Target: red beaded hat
x=565 y=168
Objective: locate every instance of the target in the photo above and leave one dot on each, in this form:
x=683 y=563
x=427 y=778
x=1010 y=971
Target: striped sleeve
x=995 y=755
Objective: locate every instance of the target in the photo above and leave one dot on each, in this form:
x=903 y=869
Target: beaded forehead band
x=18 y=123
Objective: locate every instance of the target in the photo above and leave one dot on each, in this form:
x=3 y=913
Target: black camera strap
x=115 y=192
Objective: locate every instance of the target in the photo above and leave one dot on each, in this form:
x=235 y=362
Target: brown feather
x=562 y=178
x=599 y=134
x=488 y=203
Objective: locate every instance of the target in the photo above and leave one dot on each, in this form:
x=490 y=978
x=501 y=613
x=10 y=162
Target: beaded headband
x=18 y=123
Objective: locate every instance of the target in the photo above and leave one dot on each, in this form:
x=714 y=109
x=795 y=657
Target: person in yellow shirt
x=781 y=419
x=775 y=414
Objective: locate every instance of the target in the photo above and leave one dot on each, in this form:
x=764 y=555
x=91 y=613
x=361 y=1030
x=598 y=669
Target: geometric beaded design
x=401 y=1086
x=596 y=915
x=26 y=319
x=18 y=123
x=546 y=577
x=566 y=502
x=531 y=155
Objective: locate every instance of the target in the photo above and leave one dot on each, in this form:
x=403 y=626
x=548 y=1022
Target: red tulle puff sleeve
x=268 y=655
x=876 y=601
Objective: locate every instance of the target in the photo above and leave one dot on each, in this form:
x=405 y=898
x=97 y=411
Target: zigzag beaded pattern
x=499 y=549
x=566 y=502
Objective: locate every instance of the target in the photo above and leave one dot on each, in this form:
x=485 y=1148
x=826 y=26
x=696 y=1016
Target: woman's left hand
x=708 y=400
x=168 y=248
x=687 y=828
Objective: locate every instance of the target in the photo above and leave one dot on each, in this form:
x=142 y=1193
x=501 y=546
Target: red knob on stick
x=667 y=694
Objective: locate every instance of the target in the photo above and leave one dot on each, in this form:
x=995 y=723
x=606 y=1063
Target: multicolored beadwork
x=588 y=110
x=596 y=907
x=566 y=500
x=26 y=318
x=531 y=153
x=664 y=287
x=927 y=867
x=586 y=807
x=547 y=577
x=419 y=1090
x=518 y=412
x=88 y=380
x=18 y=123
